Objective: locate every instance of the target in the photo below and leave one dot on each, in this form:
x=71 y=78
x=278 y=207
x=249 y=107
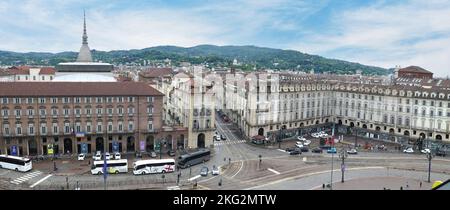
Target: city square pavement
x=380 y=183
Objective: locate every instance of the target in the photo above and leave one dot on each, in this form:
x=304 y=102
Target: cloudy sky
x=384 y=33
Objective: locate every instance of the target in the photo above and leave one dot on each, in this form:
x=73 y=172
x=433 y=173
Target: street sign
x=84 y=148
x=115 y=146
x=14 y=150
x=50 y=149
x=79 y=135
x=142 y=145
x=157 y=146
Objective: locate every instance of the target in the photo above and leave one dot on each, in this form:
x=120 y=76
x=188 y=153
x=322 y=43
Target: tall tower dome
x=85 y=53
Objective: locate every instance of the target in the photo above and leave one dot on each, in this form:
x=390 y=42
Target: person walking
x=420 y=184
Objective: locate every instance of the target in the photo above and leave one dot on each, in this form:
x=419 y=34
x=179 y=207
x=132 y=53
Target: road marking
x=242 y=165
x=281 y=150
x=276 y=172
x=43 y=179
x=194 y=178
x=174 y=188
x=26 y=177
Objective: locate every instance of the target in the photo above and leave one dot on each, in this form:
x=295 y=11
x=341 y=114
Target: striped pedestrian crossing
x=26 y=177
x=229 y=142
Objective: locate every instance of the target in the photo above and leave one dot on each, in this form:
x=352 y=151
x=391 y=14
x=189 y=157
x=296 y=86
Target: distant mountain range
x=248 y=57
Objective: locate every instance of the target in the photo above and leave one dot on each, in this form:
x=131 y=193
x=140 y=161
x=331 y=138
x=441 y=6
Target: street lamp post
x=343 y=156
x=331 y=180
x=429 y=157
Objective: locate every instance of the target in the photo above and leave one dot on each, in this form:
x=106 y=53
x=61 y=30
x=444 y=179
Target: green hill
x=249 y=57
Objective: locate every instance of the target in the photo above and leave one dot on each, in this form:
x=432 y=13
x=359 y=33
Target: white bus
x=15 y=163
x=153 y=166
x=112 y=166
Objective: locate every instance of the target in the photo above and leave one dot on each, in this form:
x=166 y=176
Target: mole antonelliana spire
x=85 y=53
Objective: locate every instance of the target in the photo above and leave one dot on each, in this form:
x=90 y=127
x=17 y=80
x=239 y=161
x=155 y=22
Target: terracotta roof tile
x=12 y=89
x=156 y=72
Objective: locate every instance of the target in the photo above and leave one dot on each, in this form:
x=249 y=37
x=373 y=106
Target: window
x=120 y=110
x=31 y=129
x=43 y=128
x=99 y=110
x=18 y=129
x=17 y=100
x=42 y=112
x=6 y=129
x=66 y=112
x=88 y=111
x=98 y=99
x=87 y=100
x=130 y=126
x=120 y=126
x=130 y=110
x=150 y=125
x=55 y=128
x=42 y=100
x=110 y=127
x=66 y=100
x=30 y=100
x=110 y=111
x=30 y=112
x=77 y=111
x=18 y=112
x=109 y=99
x=5 y=101
x=150 y=110
x=88 y=127
x=54 y=111
x=130 y=99
x=66 y=128
x=120 y=99
x=150 y=99
x=54 y=100
x=77 y=100
x=99 y=127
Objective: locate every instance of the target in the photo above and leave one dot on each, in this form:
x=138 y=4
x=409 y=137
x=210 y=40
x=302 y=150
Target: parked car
x=171 y=153
x=332 y=150
x=107 y=156
x=97 y=156
x=299 y=145
x=117 y=156
x=295 y=152
x=440 y=153
x=153 y=154
x=301 y=138
x=307 y=142
x=352 y=152
x=317 y=150
x=81 y=156
x=289 y=149
x=204 y=171
x=304 y=149
x=425 y=151
x=408 y=150
x=223 y=137
x=215 y=170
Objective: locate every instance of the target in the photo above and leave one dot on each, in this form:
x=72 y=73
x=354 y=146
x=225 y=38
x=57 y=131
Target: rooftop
x=24 y=89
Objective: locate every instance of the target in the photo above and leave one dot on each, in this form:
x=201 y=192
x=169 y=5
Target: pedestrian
x=323 y=186
x=420 y=184
x=401 y=187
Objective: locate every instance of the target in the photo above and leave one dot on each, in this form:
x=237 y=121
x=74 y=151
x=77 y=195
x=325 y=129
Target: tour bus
x=153 y=166
x=112 y=166
x=194 y=158
x=15 y=163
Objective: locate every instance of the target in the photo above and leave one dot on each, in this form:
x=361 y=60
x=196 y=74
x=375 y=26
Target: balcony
x=66 y=116
x=77 y=116
x=5 y=117
x=42 y=116
x=30 y=116
x=55 y=116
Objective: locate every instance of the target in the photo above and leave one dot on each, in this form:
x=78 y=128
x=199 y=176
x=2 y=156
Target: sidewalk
x=380 y=183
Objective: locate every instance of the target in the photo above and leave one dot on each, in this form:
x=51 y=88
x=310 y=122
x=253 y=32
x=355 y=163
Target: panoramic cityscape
x=186 y=111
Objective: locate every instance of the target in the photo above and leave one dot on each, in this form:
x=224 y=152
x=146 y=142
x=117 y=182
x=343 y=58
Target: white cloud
x=412 y=33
